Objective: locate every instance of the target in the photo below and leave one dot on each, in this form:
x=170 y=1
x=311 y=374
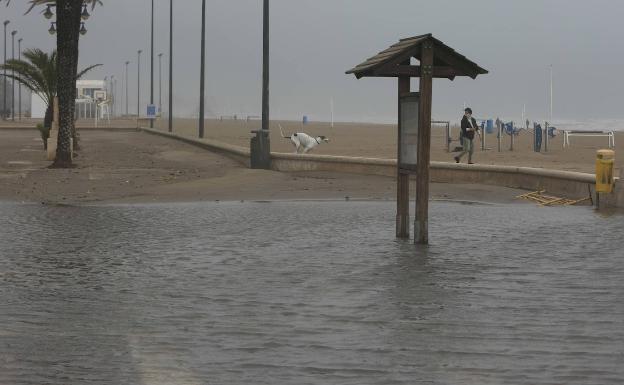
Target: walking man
x=468 y=128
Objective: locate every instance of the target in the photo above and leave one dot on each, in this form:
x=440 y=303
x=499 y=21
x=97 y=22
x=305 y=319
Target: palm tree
x=68 y=22
x=39 y=72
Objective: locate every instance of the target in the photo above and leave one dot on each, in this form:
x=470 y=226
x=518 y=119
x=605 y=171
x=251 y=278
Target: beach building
x=89 y=94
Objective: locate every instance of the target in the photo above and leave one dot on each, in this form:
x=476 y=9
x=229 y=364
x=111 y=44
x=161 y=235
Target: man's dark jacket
x=465 y=125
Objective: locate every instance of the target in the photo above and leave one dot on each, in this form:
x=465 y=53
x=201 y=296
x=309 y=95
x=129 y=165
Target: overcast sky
x=315 y=41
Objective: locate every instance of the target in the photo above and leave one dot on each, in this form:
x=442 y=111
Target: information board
x=151 y=111
x=408 y=131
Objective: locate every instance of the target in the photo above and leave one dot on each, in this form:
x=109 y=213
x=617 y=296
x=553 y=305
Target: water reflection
x=310 y=293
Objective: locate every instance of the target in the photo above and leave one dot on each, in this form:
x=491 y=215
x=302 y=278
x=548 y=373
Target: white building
x=89 y=94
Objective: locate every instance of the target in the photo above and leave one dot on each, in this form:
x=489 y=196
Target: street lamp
x=265 y=68
x=4 y=94
x=112 y=93
x=19 y=86
x=201 y=71
x=127 y=62
x=115 y=100
x=13 y=73
x=160 y=82
x=152 y=66
x=170 y=65
x=84 y=16
x=261 y=144
x=48 y=12
x=139 y=83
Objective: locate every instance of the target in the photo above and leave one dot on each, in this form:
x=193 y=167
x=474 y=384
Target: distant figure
x=304 y=143
x=468 y=128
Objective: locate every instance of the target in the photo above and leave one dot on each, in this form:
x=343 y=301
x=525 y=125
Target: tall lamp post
x=13 y=73
x=126 y=77
x=265 y=68
x=261 y=143
x=139 y=83
x=19 y=86
x=202 y=69
x=170 y=65
x=4 y=97
x=112 y=93
x=160 y=83
x=152 y=66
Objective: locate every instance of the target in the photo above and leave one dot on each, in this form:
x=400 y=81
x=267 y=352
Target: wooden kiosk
x=437 y=60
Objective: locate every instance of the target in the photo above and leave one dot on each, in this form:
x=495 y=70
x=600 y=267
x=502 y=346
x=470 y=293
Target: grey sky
x=315 y=41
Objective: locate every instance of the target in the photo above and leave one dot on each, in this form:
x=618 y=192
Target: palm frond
x=38 y=72
x=84 y=71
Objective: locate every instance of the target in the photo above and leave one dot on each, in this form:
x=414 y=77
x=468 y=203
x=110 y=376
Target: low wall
x=239 y=154
x=565 y=183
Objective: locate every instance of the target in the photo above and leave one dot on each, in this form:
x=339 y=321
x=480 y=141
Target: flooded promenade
x=309 y=293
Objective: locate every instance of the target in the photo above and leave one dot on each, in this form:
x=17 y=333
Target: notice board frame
x=409 y=125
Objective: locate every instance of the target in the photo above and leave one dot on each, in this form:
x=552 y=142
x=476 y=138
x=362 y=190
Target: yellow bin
x=604 y=171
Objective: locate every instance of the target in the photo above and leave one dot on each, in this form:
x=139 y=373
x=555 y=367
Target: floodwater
x=309 y=293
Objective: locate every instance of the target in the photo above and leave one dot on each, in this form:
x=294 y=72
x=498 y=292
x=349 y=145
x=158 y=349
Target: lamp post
x=202 y=69
x=4 y=94
x=160 y=83
x=265 y=67
x=261 y=144
x=115 y=100
x=19 y=86
x=112 y=93
x=126 y=77
x=13 y=73
x=170 y=65
x=139 y=83
x=152 y=66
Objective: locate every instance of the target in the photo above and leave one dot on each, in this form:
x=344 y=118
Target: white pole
x=331 y=106
x=551 y=94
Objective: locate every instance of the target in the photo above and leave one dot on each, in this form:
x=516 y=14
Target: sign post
x=436 y=60
x=151 y=112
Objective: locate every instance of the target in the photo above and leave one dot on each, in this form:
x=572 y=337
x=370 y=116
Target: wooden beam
x=415 y=71
x=451 y=59
x=402 y=217
x=421 y=223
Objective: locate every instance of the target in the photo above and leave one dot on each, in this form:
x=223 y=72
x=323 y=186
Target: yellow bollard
x=604 y=171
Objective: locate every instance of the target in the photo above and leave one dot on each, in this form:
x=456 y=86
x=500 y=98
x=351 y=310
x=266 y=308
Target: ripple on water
x=314 y=292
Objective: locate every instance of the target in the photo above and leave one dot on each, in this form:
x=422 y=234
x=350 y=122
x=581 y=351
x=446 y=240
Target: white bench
x=608 y=134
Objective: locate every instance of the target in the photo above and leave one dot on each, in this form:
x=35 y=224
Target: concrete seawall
x=565 y=183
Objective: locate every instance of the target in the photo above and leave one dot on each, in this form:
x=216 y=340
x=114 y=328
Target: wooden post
x=511 y=146
x=402 y=217
x=421 y=223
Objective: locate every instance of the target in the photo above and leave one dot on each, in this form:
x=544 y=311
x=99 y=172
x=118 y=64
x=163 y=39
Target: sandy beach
x=379 y=141
x=125 y=166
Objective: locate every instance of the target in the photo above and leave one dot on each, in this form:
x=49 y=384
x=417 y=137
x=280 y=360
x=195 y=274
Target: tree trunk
x=47 y=124
x=67 y=35
x=47 y=119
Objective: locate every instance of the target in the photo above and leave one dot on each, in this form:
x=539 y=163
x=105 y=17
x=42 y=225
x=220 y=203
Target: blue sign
x=151 y=111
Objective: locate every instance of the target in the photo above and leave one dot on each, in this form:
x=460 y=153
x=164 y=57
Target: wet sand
x=132 y=167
